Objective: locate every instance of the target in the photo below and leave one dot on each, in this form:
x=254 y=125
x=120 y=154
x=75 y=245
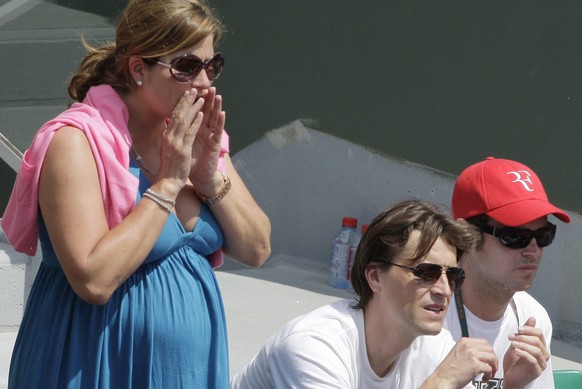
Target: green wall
x=443 y=84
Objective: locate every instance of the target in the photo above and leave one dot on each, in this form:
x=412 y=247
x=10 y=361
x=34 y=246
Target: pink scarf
x=103 y=117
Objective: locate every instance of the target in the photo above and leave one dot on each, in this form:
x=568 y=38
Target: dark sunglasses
x=519 y=238
x=186 y=67
x=432 y=272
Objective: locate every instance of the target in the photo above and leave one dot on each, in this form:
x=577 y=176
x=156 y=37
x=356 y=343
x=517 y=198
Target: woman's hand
x=246 y=228
x=206 y=147
x=178 y=137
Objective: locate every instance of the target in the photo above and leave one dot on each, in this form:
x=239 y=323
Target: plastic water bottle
x=354 y=248
x=341 y=253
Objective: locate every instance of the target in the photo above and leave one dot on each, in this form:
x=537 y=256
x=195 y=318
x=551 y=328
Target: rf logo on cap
x=523 y=179
x=507 y=191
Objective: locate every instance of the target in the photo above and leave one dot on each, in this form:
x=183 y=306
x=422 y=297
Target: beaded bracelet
x=157 y=201
x=226 y=185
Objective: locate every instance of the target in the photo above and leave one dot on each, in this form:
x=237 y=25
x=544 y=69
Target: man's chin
x=432 y=328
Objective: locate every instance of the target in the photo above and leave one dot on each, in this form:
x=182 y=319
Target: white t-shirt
x=326 y=348
x=497 y=332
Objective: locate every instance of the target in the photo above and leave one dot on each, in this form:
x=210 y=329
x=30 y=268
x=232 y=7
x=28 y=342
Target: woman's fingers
x=209 y=97
x=197 y=118
x=187 y=116
x=213 y=120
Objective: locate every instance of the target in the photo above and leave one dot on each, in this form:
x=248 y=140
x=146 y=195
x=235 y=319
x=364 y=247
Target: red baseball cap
x=505 y=190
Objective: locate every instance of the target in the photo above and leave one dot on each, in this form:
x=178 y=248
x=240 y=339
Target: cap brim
x=526 y=211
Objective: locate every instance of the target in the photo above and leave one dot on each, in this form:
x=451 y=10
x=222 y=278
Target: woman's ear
x=136 y=69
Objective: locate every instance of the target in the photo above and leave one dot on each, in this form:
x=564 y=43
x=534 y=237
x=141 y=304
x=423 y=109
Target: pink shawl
x=103 y=117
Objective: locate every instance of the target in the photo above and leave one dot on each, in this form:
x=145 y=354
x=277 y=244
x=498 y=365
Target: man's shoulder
x=328 y=332
x=526 y=306
x=329 y=320
x=526 y=302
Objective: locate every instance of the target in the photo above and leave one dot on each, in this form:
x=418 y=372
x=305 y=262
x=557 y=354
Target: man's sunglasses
x=186 y=67
x=519 y=238
x=432 y=272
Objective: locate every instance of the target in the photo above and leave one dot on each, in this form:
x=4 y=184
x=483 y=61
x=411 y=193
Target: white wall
x=17 y=272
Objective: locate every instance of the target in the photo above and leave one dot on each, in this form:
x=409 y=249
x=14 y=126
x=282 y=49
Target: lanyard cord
x=461 y=314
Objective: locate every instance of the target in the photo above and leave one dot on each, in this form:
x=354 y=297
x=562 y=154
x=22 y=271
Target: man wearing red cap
x=506 y=201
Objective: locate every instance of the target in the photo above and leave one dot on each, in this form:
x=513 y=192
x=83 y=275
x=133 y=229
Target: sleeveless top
x=164 y=327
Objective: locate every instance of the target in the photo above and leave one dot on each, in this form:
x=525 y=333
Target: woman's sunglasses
x=432 y=272
x=519 y=238
x=186 y=67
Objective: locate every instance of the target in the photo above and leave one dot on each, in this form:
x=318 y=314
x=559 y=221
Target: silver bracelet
x=157 y=201
x=161 y=197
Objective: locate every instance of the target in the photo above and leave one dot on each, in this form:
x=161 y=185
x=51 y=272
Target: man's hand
x=527 y=357
x=469 y=358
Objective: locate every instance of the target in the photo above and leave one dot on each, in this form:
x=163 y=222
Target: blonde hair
x=150 y=29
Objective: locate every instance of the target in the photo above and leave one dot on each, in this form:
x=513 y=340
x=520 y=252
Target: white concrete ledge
x=6 y=344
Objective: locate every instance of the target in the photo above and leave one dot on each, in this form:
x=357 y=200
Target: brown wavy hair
x=389 y=232
x=150 y=29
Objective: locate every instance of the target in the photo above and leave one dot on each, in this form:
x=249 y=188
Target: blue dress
x=164 y=327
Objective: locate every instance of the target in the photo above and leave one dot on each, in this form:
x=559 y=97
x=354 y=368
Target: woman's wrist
x=167 y=188
x=214 y=195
